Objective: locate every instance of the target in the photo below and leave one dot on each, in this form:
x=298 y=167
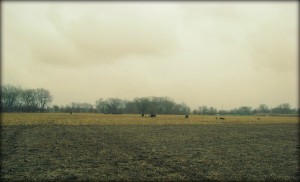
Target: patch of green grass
x=93 y=152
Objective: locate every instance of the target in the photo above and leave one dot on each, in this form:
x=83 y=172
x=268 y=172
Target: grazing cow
x=152 y=116
x=222 y=118
x=186 y=116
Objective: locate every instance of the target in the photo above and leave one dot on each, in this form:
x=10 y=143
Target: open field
x=94 y=147
x=132 y=119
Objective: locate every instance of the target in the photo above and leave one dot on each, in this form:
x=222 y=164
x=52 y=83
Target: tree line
x=143 y=105
x=262 y=109
x=16 y=99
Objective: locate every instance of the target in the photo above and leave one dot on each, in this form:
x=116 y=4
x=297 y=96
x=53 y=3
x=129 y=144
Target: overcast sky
x=215 y=54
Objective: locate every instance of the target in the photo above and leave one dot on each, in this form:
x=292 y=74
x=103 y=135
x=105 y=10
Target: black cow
x=152 y=116
x=186 y=116
x=222 y=118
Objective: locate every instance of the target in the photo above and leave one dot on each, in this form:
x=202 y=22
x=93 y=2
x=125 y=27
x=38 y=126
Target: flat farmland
x=97 y=147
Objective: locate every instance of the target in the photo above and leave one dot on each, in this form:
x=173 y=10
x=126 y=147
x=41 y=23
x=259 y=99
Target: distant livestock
x=152 y=116
x=142 y=115
x=222 y=118
x=186 y=116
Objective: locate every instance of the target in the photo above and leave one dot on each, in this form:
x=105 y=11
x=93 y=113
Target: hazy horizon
x=216 y=54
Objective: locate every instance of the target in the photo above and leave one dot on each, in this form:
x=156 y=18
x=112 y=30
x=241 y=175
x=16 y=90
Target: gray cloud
x=100 y=36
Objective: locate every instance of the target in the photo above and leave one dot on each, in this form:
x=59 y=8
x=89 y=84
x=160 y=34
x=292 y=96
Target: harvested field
x=95 y=147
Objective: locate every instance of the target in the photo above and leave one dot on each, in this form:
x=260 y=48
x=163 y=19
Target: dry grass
x=133 y=119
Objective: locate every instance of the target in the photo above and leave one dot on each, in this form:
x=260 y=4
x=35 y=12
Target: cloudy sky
x=216 y=54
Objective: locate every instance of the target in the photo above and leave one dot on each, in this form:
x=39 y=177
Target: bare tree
x=111 y=105
x=10 y=98
x=142 y=104
x=43 y=98
x=263 y=108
